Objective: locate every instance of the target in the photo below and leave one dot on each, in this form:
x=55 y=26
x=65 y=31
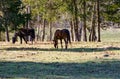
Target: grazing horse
x=61 y=34
x=23 y=34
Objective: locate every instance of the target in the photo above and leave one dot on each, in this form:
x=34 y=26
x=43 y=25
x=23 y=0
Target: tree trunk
x=72 y=30
x=84 y=27
x=98 y=14
x=38 y=33
x=0 y=35
x=80 y=32
x=27 y=24
x=7 y=33
x=38 y=28
x=43 y=36
x=28 y=11
x=50 y=27
x=76 y=20
x=92 y=36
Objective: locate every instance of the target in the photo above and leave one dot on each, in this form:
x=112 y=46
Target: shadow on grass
x=88 y=70
x=63 y=50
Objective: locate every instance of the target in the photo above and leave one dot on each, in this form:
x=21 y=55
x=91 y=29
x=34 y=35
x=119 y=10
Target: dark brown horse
x=23 y=34
x=63 y=34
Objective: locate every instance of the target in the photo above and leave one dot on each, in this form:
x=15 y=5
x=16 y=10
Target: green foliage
x=112 y=10
x=13 y=13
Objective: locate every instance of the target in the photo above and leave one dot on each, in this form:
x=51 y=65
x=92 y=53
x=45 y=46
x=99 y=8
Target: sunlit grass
x=110 y=35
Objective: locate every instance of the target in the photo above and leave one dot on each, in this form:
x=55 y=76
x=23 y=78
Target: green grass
x=102 y=69
x=110 y=35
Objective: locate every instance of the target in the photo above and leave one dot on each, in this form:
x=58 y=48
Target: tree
x=72 y=9
x=92 y=29
x=98 y=20
x=84 y=20
x=11 y=10
x=2 y=29
x=111 y=11
x=85 y=11
x=4 y=7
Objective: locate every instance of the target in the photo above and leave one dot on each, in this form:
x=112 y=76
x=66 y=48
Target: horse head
x=55 y=42
x=14 y=38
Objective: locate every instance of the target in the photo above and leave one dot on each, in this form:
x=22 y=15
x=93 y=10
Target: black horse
x=23 y=34
x=61 y=34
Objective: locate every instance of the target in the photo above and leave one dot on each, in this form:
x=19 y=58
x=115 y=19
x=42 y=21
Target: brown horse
x=23 y=34
x=61 y=34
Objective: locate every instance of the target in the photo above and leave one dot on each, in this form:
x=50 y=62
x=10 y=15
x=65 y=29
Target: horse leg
x=20 y=40
x=32 y=39
x=25 y=40
x=57 y=44
x=61 y=43
x=66 y=43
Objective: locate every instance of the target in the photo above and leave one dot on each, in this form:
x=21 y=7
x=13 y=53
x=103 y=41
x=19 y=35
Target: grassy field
x=82 y=60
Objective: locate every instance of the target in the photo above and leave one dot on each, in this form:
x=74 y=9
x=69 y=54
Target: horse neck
x=15 y=35
x=55 y=38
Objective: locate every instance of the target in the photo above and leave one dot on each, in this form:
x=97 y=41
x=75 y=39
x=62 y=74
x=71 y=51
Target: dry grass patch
x=42 y=61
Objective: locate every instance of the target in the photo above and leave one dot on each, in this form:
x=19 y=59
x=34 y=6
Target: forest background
x=84 y=18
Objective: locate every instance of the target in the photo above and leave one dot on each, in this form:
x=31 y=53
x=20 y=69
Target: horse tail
x=32 y=31
x=69 y=37
x=33 y=34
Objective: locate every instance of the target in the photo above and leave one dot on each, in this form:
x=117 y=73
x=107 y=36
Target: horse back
x=23 y=32
x=62 y=34
x=66 y=34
